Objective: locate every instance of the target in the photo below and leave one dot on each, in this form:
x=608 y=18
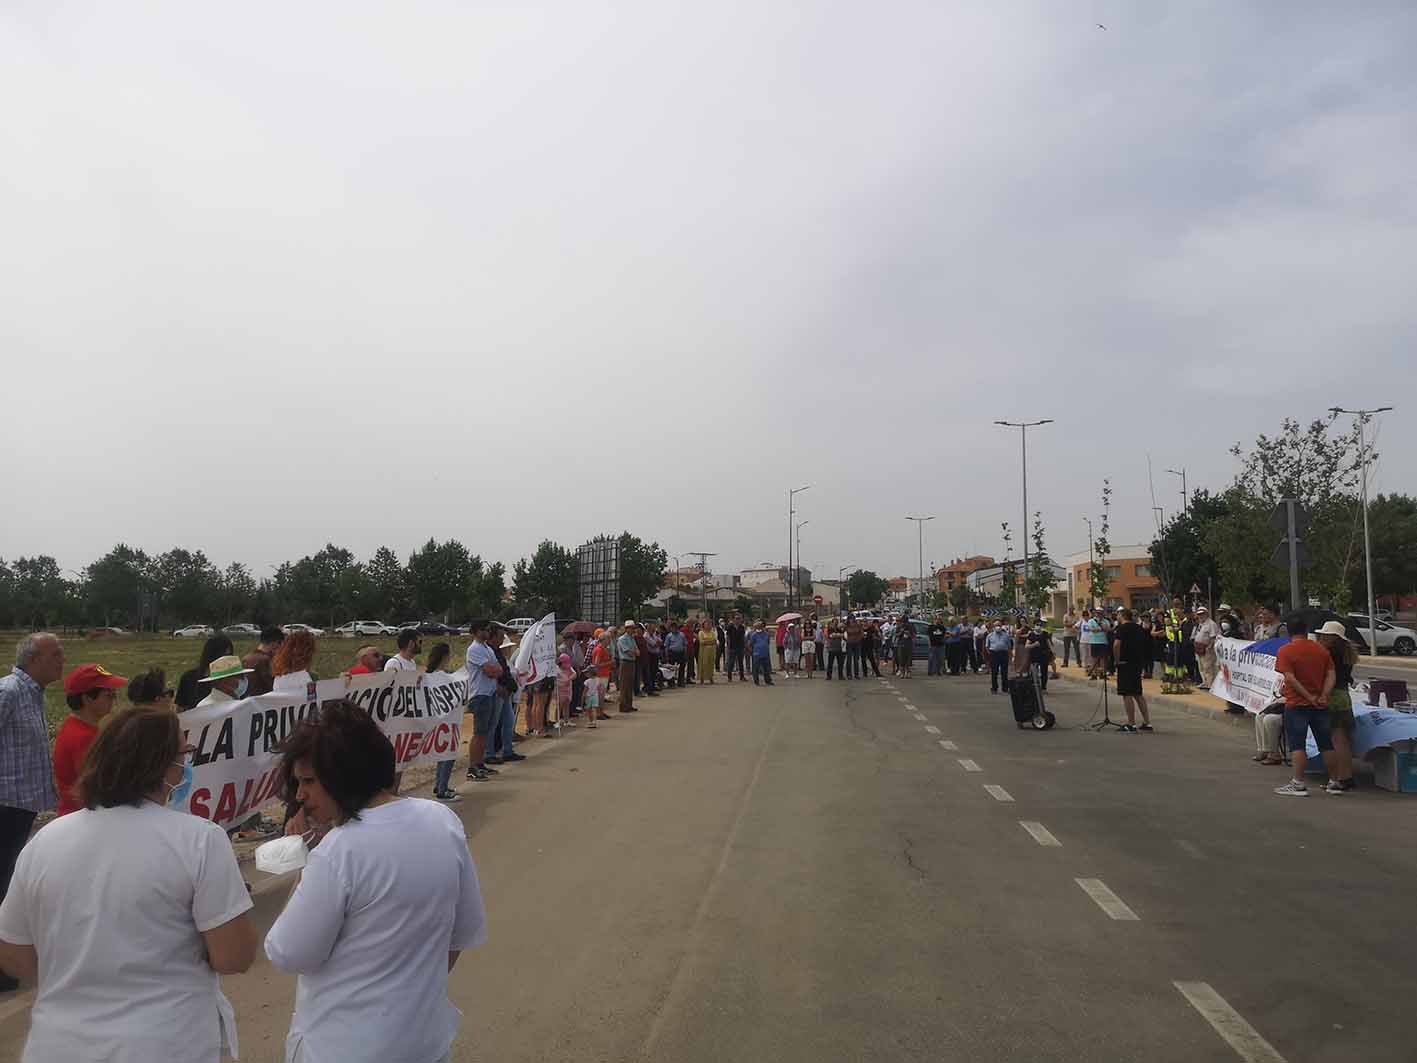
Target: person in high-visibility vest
x=1175 y=679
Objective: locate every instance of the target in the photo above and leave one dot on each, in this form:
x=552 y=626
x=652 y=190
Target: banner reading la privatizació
x=236 y=769
x=1245 y=673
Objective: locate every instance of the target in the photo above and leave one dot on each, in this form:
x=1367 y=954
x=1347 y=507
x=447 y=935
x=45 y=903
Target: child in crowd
x=591 y=697
x=564 y=678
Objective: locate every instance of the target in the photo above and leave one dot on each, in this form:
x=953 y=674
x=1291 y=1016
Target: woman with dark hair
x=443 y=777
x=189 y=688
x=128 y=909
x=291 y=664
x=438 y=657
x=150 y=688
x=389 y=899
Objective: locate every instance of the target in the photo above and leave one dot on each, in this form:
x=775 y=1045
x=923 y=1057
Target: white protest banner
x=235 y=768
x=1246 y=675
x=536 y=656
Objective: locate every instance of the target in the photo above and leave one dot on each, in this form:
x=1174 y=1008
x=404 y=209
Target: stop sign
x=817 y=599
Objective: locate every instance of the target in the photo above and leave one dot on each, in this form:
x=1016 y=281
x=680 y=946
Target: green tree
x=238 y=591
x=115 y=585
x=39 y=591
x=486 y=588
x=190 y=586
x=547 y=583
x=1101 y=548
x=438 y=575
x=864 y=587
x=1039 y=579
x=1180 y=551
x=1392 y=520
x=388 y=586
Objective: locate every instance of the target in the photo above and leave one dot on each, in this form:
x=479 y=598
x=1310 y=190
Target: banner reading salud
x=236 y=769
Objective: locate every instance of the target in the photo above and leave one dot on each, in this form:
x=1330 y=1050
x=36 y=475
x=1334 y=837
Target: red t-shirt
x=359 y=669
x=70 y=745
x=1309 y=662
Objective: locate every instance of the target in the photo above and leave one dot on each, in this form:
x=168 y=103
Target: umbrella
x=579 y=627
x=785 y=617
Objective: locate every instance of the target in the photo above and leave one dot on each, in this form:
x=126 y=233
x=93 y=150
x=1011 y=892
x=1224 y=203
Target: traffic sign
x=817 y=599
x=1195 y=588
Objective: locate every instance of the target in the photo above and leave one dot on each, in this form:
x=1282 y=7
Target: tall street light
x=1023 y=427
x=703 y=556
x=790 y=511
x=1360 y=418
x=1091 y=598
x=843 y=601
x=1185 y=495
x=920 y=537
x=797 y=577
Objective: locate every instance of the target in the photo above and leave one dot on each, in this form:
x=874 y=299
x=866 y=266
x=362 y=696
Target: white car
x=244 y=630
x=519 y=624
x=376 y=628
x=193 y=631
x=1391 y=638
x=316 y=631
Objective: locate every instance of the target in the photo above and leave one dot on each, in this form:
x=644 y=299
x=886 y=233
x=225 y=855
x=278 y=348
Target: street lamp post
x=843 y=601
x=1092 y=598
x=703 y=556
x=1185 y=495
x=1360 y=418
x=920 y=544
x=790 y=511
x=1023 y=427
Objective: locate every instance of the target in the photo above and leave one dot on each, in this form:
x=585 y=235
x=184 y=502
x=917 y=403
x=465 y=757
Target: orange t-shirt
x=1309 y=662
x=600 y=657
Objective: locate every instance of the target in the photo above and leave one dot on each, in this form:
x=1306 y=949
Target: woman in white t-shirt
x=291 y=664
x=383 y=908
x=128 y=909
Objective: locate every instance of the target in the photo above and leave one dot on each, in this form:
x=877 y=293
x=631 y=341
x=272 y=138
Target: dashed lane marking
x=967 y=765
x=930 y=728
x=911 y=707
x=998 y=793
x=1191 y=849
x=919 y=717
x=1234 y=1030
x=1108 y=901
x=945 y=743
x=1041 y=834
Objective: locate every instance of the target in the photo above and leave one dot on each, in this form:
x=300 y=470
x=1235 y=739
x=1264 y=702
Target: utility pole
x=1185 y=495
x=796 y=572
x=920 y=536
x=1360 y=418
x=1092 y=598
x=703 y=556
x=1023 y=427
x=844 y=602
x=790 y=511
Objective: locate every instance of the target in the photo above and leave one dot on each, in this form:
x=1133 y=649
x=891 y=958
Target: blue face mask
x=177 y=796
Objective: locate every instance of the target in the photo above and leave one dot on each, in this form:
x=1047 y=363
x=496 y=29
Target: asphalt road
x=807 y=873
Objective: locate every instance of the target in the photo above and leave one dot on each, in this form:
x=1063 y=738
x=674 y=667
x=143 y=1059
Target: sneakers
x=1292 y=789
x=510 y=757
x=1126 y=729
x=1146 y=727
x=446 y=796
x=493 y=760
x=1334 y=787
x=477 y=774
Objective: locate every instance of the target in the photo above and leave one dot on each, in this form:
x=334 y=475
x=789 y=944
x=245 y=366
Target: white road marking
x=945 y=743
x=998 y=793
x=1236 y=1032
x=1108 y=901
x=967 y=765
x=1190 y=848
x=930 y=728
x=911 y=707
x=919 y=717
x=1041 y=834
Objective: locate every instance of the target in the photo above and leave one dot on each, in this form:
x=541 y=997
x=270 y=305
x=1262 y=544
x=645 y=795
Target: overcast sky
x=277 y=275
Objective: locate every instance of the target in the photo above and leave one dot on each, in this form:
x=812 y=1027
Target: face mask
x=242 y=686
x=177 y=795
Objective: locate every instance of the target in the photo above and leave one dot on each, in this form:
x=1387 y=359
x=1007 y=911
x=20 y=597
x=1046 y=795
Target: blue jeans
x=443 y=780
x=853 y=660
x=936 y=661
x=1299 y=721
x=762 y=666
x=506 y=712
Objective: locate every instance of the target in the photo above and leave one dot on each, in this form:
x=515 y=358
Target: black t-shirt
x=937 y=634
x=1135 y=644
x=735 y=636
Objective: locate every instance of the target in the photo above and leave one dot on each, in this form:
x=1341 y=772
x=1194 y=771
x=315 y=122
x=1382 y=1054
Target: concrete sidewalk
x=1197 y=703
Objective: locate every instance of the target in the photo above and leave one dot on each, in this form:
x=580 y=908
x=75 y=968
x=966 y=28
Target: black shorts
x=1129 y=680
x=484 y=711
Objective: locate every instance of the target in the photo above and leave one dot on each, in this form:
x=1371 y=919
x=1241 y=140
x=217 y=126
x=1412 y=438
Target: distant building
x=897 y=589
x=1131 y=579
x=956 y=573
x=752 y=577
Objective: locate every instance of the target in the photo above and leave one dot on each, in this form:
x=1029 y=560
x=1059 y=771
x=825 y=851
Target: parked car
x=193 y=631
x=1391 y=638
x=101 y=632
x=519 y=624
x=316 y=631
x=244 y=630
x=376 y=628
x=1317 y=618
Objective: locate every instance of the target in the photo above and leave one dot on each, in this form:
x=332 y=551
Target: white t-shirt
x=381 y=903
x=115 y=901
x=399 y=663
x=291 y=681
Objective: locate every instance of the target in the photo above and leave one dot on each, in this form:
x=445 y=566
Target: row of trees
x=132 y=589
x=1227 y=537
